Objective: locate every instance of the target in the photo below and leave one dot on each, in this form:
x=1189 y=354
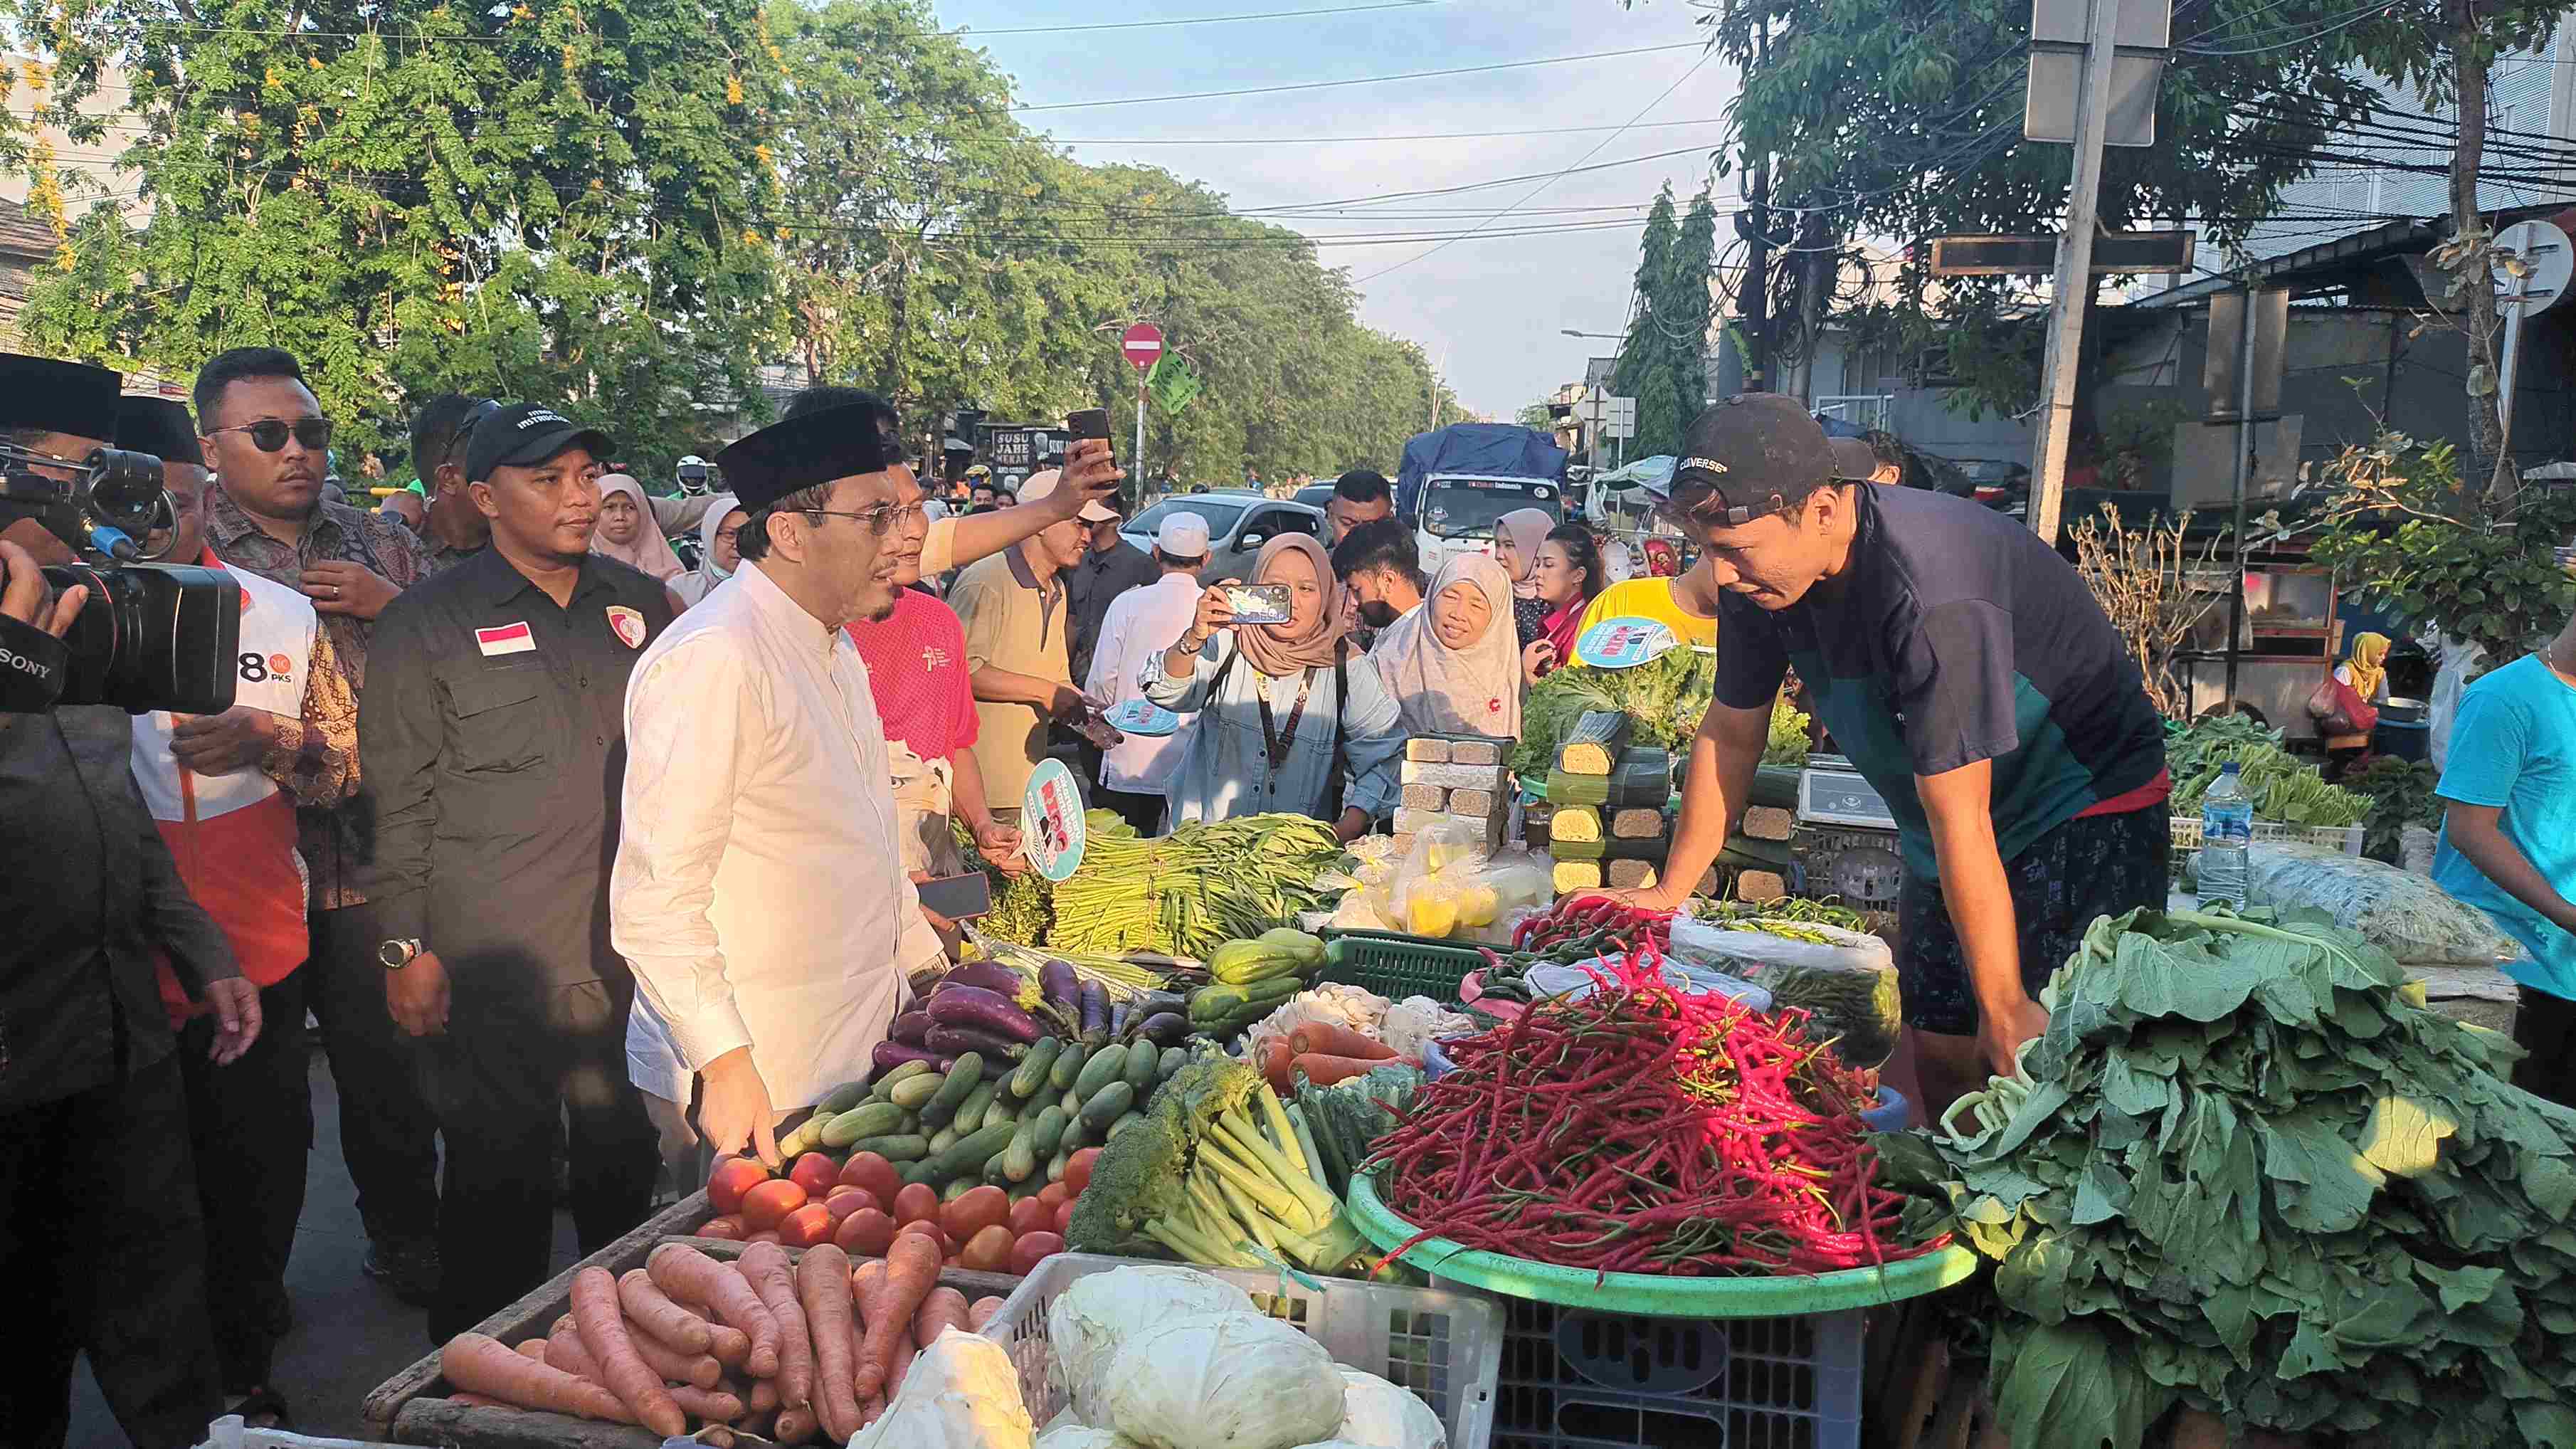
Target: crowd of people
x=571 y=852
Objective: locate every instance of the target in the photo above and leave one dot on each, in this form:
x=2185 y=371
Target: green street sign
x=1173 y=384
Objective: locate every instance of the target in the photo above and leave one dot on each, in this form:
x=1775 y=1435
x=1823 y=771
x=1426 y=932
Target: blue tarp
x=1503 y=450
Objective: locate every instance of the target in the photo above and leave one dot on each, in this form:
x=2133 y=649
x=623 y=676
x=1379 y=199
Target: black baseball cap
x=1854 y=460
x=523 y=435
x=1744 y=456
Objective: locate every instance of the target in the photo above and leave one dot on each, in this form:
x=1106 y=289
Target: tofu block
x=1577 y=875
x=1454 y=777
x=1427 y=750
x=1476 y=802
x=1708 y=886
x=1760 y=885
x=1403 y=843
x=1767 y=822
x=1423 y=797
x=1413 y=822
x=1637 y=823
x=1627 y=874
x=1477 y=751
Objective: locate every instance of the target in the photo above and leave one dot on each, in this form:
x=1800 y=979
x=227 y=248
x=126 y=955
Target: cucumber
x=807 y=1136
x=841 y=1099
x=942 y=1140
x=1108 y=1105
x=883 y=1091
x=1031 y=1074
x=1105 y=1066
x=918 y=1172
x=914 y=1092
x=1069 y=1102
x=993 y=1175
x=1034 y=1108
x=1142 y=1062
x=1068 y=1065
x=1121 y=1125
x=1021 y=1191
x=875 y=1119
x=968 y=1153
x=1077 y=1135
x=957 y=1189
x=911 y=1123
x=1055 y=1166
x=1020 y=1159
x=1174 y=1058
x=961 y=1081
x=897 y=1147
x=970 y=1113
x=1048 y=1133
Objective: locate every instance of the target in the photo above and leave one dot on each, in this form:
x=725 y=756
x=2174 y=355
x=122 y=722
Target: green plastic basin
x=1652 y=1293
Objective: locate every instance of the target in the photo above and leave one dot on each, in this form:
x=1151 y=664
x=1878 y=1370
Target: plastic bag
x=1577 y=981
x=1412 y=1024
x=2404 y=914
x=1435 y=889
x=1729 y=946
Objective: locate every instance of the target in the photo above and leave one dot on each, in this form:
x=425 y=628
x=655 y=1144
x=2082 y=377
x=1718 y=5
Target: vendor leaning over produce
x=1291 y=717
x=759 y=890
x=1967 y=672
x=2509 y=843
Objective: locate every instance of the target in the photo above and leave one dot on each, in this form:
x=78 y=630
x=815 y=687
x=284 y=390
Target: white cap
x=1183 y=535
x=1042 y=483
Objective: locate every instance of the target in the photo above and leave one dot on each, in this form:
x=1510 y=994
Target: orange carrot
x=771 y=1276
x=692 y=1277
x=1329 y=1039
x=823 y=1286
x=729 y=1345
x=871 y=1411
x=566 y=1351
x=478 y=1401
x=943 y=1308
x=697 y=1370
x=982 y=1313
x=717 y=1436
x=652 y=1310
x=912 y=1270
x=707 y=1404
x=763 y=1398
x=533 y=1348
x=795 y=1426
x=904 y=1354
x=1275 y=1055
x=603 y=1332
x=1324 y=1071
x=479 y=1364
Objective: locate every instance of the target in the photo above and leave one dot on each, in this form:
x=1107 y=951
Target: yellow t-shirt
x=1651 y=598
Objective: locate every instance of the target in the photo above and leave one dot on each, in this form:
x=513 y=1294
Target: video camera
x=152 y=636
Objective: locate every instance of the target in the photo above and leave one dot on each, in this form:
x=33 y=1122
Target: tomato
x=918 y=1202
x=769 y=1203
x=727 y=1226
x=1030 y=1215
x=765 y=1235
x=733 y=1177
x=1054 y=1193
x=1077 y=1169
x=866 y=1233
x=1064 y=1217
x=868 y=1170
x=1032 y=1247
x=815 y=1173
x=843 y=1201
x=808 y=1226
x=989 y=1251
x=975 y=1210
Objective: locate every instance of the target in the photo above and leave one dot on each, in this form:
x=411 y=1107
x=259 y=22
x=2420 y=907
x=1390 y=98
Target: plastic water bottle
x=2226 y=831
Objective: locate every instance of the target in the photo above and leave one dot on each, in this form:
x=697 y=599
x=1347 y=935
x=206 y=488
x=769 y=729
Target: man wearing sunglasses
x=494 y=740
x=1968 y=673
x=264 y=434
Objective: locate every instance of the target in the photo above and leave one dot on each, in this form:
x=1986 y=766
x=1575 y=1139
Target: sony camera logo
x=23 y=664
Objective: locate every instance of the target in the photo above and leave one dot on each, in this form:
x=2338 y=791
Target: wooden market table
x=412 y=1407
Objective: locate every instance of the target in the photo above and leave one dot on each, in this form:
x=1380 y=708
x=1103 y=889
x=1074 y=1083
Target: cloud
x=1487 y=308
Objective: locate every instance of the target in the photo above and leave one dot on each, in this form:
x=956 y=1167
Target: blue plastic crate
x=1573 y=1380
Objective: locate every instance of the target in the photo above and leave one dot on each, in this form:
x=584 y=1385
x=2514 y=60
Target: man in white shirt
x=759 y=892
x=1140 y=624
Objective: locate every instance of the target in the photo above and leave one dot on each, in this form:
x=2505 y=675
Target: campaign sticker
x=1623 y=643
x=1144 y=717
x=1051 y=826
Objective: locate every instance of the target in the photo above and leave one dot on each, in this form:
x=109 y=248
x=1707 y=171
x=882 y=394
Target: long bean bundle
x=1642 y=1130
x=1194 y=889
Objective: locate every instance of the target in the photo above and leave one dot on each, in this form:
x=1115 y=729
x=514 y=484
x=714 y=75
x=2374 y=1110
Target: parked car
x=1314 y=495
x=1239 y=522
x=1997 y=483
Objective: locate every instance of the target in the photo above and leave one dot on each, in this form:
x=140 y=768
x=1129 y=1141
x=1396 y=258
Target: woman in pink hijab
x=627 y=532
x=1517 y=535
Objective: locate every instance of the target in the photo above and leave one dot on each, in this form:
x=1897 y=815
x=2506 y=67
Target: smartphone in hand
x=1258 y=603
x=957 y=897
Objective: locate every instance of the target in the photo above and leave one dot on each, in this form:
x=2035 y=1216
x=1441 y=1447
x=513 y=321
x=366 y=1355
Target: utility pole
x=1753 y=295
x=2074 y=284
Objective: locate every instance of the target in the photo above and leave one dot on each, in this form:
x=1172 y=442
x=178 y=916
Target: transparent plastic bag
x=1435 y=890
x=1729 y=947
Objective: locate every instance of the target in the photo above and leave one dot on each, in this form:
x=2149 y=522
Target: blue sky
x=1487 y=310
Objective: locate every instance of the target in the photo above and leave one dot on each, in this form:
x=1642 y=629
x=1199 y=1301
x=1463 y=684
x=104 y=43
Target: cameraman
x=99 y=1222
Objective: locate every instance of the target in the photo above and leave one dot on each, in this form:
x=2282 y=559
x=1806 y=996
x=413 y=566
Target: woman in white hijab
x=717 y=556
x=627 y=532
x=1454 y=665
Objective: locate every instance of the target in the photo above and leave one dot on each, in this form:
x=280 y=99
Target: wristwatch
x=398 y=954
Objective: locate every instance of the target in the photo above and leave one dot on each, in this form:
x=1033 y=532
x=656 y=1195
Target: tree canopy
x=1661 y=361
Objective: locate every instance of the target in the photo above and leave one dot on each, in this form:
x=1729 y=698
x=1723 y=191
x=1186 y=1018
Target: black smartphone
x=1258 y=603
x=958 y=897
x=1088 y=423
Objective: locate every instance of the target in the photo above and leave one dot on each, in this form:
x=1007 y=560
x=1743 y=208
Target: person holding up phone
x=1291 y=716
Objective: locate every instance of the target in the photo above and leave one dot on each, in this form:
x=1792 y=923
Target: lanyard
x=1273 y=744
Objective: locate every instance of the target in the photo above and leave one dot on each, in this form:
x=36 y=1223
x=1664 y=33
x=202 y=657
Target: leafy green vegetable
x=2400 y=794
x=2284 y=788
x=1665 y=698
x=2247 y=1170
x=1788 y=742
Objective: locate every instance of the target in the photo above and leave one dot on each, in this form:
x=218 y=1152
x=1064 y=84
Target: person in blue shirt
x=2509 y=842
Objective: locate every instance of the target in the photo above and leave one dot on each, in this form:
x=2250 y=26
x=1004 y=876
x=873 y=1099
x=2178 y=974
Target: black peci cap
x=60 y=397
x=1742 y=452
x=806 y=451
x=159 y=426
x=523 y=435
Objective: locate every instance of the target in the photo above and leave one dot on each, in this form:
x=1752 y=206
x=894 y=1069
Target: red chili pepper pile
x=1643 y=1130
x=1583 y=917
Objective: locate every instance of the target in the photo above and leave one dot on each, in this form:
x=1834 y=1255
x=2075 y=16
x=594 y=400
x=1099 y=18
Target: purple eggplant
x=957 y=1041
x=892 y=1054
x=912 y=1028
x=1095 y=1014
x=985 y=1010
x=1155 y=1003
x=993 y=976
x=1062 y=989
x=1163 y=1029
x=1118 y=1014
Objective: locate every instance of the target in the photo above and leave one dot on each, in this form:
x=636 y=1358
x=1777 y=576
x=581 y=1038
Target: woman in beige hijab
x=1454 y=664
x=627 y=532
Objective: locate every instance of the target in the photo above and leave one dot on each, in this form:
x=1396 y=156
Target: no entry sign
x=1143 y=344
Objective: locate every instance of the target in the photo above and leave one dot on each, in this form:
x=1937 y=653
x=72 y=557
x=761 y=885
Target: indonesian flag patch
x=627 y=625
x=512 y=638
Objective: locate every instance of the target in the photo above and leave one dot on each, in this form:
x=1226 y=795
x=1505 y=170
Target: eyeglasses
x=880 y=519
x=270 y=434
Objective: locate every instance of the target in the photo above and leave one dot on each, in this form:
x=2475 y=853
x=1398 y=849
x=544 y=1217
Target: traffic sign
x=1143 y=344
x=2113 y=251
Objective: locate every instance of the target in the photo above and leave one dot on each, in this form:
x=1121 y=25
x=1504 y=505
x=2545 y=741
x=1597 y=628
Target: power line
x=2355 y=18
x=917 y=34
x=1356 y=140
x=1358 y=81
